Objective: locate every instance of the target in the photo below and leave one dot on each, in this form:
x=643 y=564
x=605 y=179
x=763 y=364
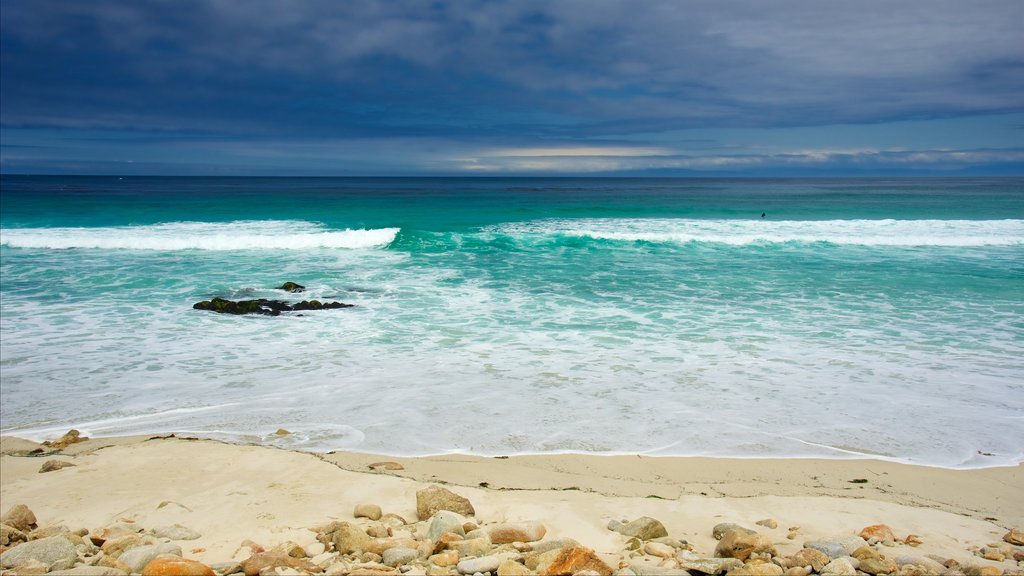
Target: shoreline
x=231 y=493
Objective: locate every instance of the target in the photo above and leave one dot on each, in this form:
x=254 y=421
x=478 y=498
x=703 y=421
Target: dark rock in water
x=318 y=305
x=263 y=306
x=291 y=287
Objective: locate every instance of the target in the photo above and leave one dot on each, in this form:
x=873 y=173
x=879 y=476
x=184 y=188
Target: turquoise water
x=502 y=316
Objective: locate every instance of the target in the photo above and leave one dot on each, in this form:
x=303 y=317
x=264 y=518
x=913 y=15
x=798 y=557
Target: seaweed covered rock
x=291 y=287
x=263 y=306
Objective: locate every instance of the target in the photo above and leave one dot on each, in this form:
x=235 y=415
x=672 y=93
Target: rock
x=768 y=523
x=379 y=531
x=176 y=532
x=575 y=560
x=137 y=558
x=1015 y=537
x=291 y=287
x=99 y=537
x=473 y=547
x=552 y=544
x=878 y=565
x=348 y=538
x=797 y=571
x=118 y=546
x=9 y=535
x=519 y=532
x=171 y=565
x=445 y=522
x=85 y=570
x=111 y=562
x=740 y=545
x=839 y=567
x=19 y=517
x=371 y=511
x=377 y=466
x=836 y=546
x=710 y=565
x=865 y=552
x=659 y=550
x=57 y=552
x=398 y=556
x=289 y=548
x=644 y=528
x=51 y=465
x=59 y=530
x=261 y=306
x=317 y=305
x=433 y=499
x=69 y=438
x=445 y=540
x=482 y=564
x=446 y=558
x=513 y=568
x=878 y=533
x=720 y=529
x=263 y=560
x=757 y=569
x=816 y=559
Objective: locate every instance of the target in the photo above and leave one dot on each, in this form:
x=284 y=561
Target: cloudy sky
x=658 y=87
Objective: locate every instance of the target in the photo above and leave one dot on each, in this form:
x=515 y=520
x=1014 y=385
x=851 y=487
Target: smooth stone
x=261 y=561
x=1015 y=537
x=659 y=550
x=348 y=538
x=816 y=559
x=481 y=564
x=839 y=567
x=19 y=516
x=445 y=522
x=52 y=465
x=118 y=546
x=434 y=498
x=446 y=558
x=644 y=528
x=170 y=565
x=878 y=533
x=474 y=547
x=552 y=544
x=57 y=552
x=720 y=529
x=137 y=558
x=84 y=570
x=877 y=566
x=398 y=556
x=176 y=532
x=710 y=565
x=740 y=545
x=837 y=546
x=513 y=568
x=758 y=569
x=798 y=571
x=518 y=532
x=575 y=560
x=371 y=511
x=768 y=523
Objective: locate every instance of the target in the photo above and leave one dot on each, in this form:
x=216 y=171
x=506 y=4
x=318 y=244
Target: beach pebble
x=768 y=523
x=1015 y=537
x=446 y=558
x=839 y=567
x=20 y=517
x=263 y=560
x=171 y=565
x=757 y=569
x=371 y=511
x=398 y=556
x=710 y=565
x=877 y=565
x=644 y=528
x=741 y=545
x=118 y=546
x=519 y=532
x=573 y=561
x=797 y=571
x=472 y=547
x=85 y=570
x=482 y=564
x=434 y=498
x=878 y=533
x=445 y=522
x=836 y=546
x=816 y=559
x=659 y=550
x=51 y=465
x=138 y=558
x=379 y=531
x=512 y=568
x=348 y=538
x=56 y=552
x=720 y=529
x=10 y=535
x=176 y=532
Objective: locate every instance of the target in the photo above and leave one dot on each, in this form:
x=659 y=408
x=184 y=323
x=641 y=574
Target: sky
x=517 y=87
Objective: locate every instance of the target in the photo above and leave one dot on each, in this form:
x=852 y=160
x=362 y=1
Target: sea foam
x=238 y=235
x=746 y=232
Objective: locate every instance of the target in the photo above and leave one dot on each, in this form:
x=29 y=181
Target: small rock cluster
x=445 y=540
x=267 y=307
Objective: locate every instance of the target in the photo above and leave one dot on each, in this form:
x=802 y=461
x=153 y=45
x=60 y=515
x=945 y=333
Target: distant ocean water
x=504 y=316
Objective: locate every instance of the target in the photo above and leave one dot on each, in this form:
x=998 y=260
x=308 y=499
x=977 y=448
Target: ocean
x=496 y=316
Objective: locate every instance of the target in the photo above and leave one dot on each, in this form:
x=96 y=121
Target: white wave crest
x=745 y=232
x=238 y=235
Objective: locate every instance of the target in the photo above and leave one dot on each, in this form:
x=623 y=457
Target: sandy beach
x=234 y=496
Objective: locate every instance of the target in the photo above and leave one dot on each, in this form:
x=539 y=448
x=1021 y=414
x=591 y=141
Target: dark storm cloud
x=510 y=72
